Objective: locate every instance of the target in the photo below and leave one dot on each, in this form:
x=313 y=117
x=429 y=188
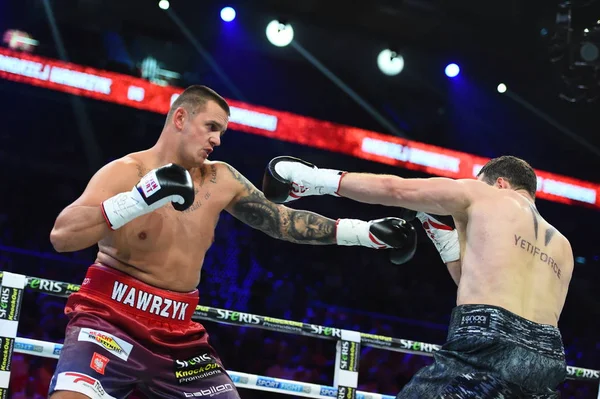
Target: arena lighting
x=279 y=125
x=452 y=70
x=164 y=4
x=501 y=88
x=19 y=40
x=151 y=70
x=279 y=34
x=577 y=54
x=588 y=50
x=390 y=63
x=228 y=14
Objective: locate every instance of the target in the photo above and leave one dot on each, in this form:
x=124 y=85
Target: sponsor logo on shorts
x=196 y=368
x=82 y=383
x=99 y=363
x=475 y=319
x=201 y=359
x=210 y=392
x=57 y=350
x=114 y=345
x=286 y=386
x=147 y=302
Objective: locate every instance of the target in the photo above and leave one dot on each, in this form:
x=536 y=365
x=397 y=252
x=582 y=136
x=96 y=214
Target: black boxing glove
x=383 y=233
x=169 y=183
x=401 y=255
x=288 y=179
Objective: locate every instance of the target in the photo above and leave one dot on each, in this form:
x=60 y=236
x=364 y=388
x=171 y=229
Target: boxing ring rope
x=347 y=345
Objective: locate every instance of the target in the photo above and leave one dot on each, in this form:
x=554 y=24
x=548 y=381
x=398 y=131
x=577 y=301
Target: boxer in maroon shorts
x=120 y=328
x=130 y=325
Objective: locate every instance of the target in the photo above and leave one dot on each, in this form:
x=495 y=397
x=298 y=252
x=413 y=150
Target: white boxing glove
x=287 y=179
x=444 y=237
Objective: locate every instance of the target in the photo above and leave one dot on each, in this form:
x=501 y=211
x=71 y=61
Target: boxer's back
x=513 y=258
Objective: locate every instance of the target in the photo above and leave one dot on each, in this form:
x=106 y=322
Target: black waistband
x=496 y=322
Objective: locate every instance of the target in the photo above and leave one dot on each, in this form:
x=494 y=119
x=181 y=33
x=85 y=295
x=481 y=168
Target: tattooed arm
x=301 y=227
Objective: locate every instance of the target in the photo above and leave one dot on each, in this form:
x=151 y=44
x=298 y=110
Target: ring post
x=347 y=353
x=11 y=295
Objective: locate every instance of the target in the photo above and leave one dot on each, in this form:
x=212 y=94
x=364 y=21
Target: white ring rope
x=251 y=381
x=241 y=380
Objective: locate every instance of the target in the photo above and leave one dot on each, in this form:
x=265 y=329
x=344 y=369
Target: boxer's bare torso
x=511 y=257
x=166 y=248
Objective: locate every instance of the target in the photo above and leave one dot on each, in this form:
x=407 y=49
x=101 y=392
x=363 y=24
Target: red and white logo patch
x=149 y=184
x=99 y=363
x=82 y=383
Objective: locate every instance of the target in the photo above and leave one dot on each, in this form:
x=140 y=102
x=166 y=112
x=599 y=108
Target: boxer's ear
x=502 y=183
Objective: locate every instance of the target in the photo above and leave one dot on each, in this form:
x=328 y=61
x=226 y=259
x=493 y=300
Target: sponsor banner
x=346 y=392
x=577 y=373
x=6 y=350
x=112 y=344
x=379 y=341
x=285 y=126
x=10 y=303
x=297 y=388
x=201 y=311
x=349 y=354
x=288 y=386
x=313 y=330
x=57 y=288
x=28 y=347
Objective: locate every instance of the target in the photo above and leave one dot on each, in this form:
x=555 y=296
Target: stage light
x=452 y=70
x=390 y=63
x=227 y=14
x=19 y=40
x=501 y=88
x=279 y=34
x=164 y=4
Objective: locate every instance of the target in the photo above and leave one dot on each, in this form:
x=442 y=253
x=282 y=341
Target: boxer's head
x=198 y=117
x=509 y=172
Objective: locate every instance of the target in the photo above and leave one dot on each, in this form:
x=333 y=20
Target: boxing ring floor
x=348 y=343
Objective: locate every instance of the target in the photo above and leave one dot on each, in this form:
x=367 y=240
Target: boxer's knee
x=68 y=395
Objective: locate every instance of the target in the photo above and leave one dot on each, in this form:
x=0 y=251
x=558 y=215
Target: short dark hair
x=519 y=173
x=197 y=96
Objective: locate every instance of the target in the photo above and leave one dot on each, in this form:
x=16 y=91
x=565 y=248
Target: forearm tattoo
x=301 y=227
